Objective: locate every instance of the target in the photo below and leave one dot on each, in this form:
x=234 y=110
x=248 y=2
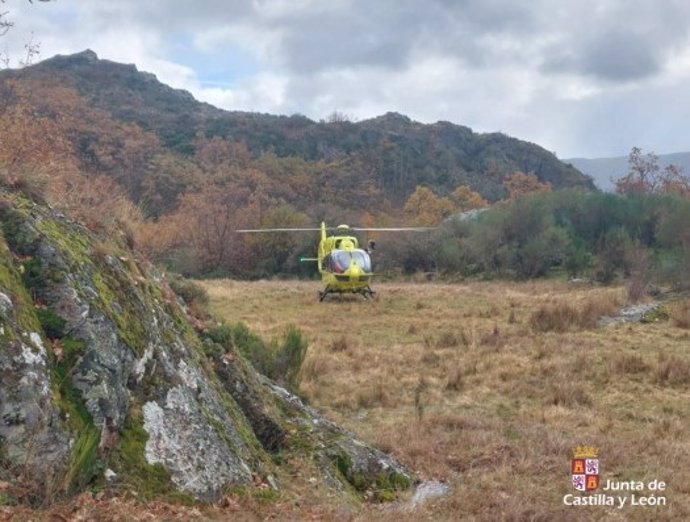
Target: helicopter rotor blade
x=338 y=229
x=256 y=230
x=393 y=229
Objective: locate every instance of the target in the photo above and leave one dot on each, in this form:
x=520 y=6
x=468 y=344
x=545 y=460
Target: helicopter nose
x=355 y=271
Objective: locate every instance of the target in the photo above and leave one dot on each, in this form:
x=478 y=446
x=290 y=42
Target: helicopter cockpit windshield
x=339 y=260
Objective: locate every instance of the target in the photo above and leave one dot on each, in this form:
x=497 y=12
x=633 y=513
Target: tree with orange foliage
x=34 y=151
x=645 y=176
x=675 y=181
x=425 y=207
x=520 y=184
x=467 y=199
x=643 y=173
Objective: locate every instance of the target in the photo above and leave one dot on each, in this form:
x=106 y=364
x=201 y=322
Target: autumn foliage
x=179 y=184
x=645 y=176
x=520 y=184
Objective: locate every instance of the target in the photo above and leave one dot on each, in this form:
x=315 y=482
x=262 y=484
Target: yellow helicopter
x=343 y=265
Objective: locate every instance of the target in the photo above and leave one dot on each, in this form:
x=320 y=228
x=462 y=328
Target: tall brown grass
x=491 y=405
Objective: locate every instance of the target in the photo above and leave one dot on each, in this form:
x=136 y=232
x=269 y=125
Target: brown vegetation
x=488 y=386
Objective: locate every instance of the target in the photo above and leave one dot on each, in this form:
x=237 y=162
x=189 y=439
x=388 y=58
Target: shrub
x=673 y=370
x=629 y=364
x=281 y=362
x=289 y=357
x=190 y=292
x=554 y=318
x=680 y=313
x=562 y=317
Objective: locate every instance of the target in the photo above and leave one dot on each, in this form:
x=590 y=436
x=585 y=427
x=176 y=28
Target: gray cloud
x=566 y=75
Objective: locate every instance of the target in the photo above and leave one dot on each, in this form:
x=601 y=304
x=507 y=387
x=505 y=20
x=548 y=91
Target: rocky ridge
x=106 y=384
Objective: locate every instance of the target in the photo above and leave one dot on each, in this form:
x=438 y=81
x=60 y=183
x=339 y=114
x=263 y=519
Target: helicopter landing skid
x=366 y=292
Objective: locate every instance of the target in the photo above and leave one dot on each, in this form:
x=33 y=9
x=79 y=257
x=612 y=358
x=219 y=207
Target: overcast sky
x=578 y=77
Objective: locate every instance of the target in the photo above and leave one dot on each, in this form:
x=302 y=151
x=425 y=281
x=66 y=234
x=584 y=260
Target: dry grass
x=489 y=386
x=458 y=384
x=680 y=313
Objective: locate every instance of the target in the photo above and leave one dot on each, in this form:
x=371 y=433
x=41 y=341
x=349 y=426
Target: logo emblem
x=584 y=468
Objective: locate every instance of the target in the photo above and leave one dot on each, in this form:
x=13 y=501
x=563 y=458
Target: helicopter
x=344 y=266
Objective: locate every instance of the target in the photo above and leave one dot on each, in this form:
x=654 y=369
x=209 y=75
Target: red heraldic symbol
x=584 y=468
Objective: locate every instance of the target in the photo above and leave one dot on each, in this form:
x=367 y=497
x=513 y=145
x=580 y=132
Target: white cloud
x=581 y=78
x=261 y=93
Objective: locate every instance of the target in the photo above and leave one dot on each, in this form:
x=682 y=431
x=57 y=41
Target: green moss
x=119 y=298
x=359 y=480
x=389 y=484
x=84 y=462
x=12 y=218
x=343 y=462
x=399 y=481
x=128 y=459
x=72 y=241
x=72 y=348
x=660 y=313
x=69 y=399
x=11 y=284
x=385 y=485
x=263 y=495
x=118 y=301
x=53 y=325
x=244 y=429
x=32 y=273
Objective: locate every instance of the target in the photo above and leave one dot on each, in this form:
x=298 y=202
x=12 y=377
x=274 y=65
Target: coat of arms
x=584 y=468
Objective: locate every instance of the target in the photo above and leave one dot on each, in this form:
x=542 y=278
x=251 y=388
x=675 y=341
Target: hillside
x=107 y=386
x=603 y=170
x=393 y=151
x=110 y=145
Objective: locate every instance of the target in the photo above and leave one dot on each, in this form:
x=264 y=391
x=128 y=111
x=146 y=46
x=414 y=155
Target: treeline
x=571 y=233
x=122 y=153
x=581 y=234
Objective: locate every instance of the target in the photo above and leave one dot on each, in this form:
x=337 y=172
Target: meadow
x=488 y=386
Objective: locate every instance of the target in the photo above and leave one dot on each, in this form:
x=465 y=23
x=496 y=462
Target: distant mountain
x=604 y=170
x=126 y=123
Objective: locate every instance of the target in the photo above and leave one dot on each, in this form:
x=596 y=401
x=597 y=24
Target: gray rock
x=133 y=368
x=629 y=314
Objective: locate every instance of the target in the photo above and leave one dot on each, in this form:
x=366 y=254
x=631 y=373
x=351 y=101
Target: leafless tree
x=31 y=48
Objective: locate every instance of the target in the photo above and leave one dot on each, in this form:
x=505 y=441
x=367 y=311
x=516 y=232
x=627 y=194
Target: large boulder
x=105 y=383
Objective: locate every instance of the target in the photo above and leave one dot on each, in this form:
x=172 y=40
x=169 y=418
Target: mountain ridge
x=399 y=152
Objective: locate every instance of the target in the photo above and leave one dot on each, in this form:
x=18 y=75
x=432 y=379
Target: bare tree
x=31 y=48
x=646 y=176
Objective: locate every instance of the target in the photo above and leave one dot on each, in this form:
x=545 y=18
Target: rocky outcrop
x=105 y=383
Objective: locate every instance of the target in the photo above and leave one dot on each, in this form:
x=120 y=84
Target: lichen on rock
x=102 y=373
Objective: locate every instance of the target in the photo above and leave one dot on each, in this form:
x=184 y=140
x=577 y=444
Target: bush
x=562 y=316
x=289 y=358
x=281 y=362
x=680 y=313
x=555 y=318
x=190 y=292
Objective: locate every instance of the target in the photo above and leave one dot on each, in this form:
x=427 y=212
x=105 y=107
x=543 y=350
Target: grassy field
x=489 y=386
